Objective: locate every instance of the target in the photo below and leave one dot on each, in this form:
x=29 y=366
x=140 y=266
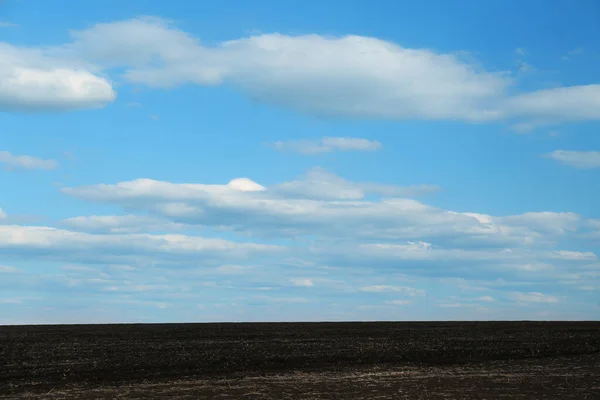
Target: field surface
x=442 y=360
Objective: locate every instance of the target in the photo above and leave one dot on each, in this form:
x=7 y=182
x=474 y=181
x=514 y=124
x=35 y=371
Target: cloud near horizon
x=339 y=226
x=299 y=239
x=323 y=203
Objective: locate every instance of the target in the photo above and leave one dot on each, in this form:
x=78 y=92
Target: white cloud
x=577 y=159
x=573 y=255
x=304 y=282
x=329 y=206
x=323 y=232
x=11 y=161
x=546 y=222
x=534 y=297
x=577 y=103
x=327 y=145
x=487 y=299
x=421 y=254
x=351 y=75
x=348 y=76
x=2 y=214
x=245 y=185
x=32 y=80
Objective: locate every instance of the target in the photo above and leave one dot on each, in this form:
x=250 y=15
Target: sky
x=299 y=161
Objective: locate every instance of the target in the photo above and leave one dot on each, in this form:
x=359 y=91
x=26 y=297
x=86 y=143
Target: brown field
x=383 y=360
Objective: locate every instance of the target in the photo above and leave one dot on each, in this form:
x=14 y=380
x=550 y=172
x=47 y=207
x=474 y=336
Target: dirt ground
x=494 y=360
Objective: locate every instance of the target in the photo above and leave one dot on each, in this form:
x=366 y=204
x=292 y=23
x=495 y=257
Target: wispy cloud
x=577 y=159
x=318 y=183
x=534 y=297
x=326 y=145
x=573 y=53
x=398 y=302
x=8 y=270
x=409 y=291
x=11 y=161
x=7 y=24
x=303 y=282
x=120 y=224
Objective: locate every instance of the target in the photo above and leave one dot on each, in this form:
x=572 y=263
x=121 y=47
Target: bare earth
x=451 y=360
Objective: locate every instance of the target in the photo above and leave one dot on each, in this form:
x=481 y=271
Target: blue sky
x=269 y=161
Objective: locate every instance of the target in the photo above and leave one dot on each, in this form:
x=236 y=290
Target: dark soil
x=469 y=360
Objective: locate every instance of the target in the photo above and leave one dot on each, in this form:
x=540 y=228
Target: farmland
x=386 y=360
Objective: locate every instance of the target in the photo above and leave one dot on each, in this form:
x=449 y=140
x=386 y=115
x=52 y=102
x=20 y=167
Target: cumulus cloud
x=577 y=159
x=324 y=204
x=327 y=145
x=2 y=214
x=11 y=161
x=33 y=80
x=333 y=223
x=312 y=231
x=347 y=76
